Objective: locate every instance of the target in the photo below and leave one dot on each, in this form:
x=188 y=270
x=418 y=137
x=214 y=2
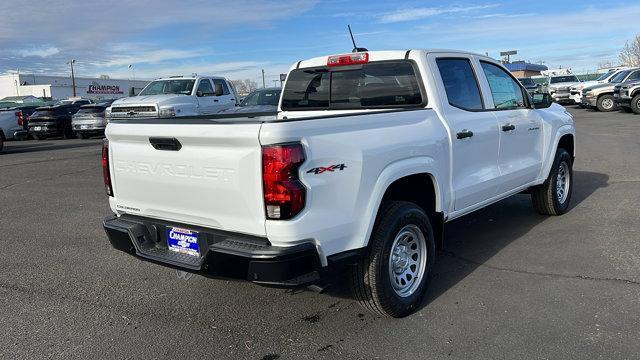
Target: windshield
x=620 y=77
x=262 y=97
x=563 y=79
x=605 y=75
x=526 y=81
x=159 y=87
x=389 y=84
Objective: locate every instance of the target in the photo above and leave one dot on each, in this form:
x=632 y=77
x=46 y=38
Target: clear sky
x=238 y=38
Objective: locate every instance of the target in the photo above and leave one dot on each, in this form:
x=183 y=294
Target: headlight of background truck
x=167 y=112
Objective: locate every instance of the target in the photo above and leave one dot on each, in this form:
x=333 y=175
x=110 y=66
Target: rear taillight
x=106 y=174
x=19 y=117
x=284 y=193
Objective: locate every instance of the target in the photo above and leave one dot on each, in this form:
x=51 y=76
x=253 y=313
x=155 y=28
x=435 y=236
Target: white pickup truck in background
x=177 y=96
x=370 y=154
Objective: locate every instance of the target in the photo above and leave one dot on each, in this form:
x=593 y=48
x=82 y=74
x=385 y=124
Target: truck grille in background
x=126 y=109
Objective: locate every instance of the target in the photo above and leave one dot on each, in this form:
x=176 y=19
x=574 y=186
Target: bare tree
x=630 y=54
x=244 y=86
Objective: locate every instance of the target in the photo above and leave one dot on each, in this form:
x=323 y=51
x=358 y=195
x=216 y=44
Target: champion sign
x=183 y=241
x=96 y=88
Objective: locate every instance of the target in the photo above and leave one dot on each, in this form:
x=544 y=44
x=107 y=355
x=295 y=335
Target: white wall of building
x=60 y=87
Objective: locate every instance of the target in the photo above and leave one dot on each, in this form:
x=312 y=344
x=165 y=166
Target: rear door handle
x=169 y=144
x=215 y=100
x=464 y=134
x=508 y=127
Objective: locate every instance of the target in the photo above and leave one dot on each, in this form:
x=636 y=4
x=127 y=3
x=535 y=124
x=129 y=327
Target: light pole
x=73 y=78
x=263 y=84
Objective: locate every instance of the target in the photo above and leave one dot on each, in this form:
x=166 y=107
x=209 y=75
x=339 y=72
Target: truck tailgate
x=214 y=180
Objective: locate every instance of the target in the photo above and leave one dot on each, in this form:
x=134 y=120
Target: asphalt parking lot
x=509 y=284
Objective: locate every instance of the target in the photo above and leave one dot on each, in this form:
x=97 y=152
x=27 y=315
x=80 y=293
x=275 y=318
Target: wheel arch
x=418 y=180
x=564 y=138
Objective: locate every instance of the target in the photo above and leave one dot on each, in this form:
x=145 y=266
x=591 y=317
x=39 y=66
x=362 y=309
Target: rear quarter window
x=390 y=84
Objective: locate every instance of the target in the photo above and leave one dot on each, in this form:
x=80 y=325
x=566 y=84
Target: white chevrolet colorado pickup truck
x=176 y=97
x=369 y=155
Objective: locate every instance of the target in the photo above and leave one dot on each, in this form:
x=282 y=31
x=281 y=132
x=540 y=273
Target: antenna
x=355 y=48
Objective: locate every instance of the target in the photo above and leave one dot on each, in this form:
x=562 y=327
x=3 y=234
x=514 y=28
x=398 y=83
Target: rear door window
x=460 y=83
x=391 y=84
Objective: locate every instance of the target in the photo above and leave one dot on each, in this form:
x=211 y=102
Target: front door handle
x=464 y=134
x=508 y=127
x=215 y=100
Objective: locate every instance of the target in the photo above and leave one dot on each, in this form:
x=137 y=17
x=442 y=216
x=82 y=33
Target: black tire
x=67 y=133
x=546 y=198
x=1 y=142
x=635 y=104
x=371 y=278
x=606 y=103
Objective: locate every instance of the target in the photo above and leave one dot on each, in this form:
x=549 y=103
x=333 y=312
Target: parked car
x=369 y=155
x=13 y=120
x=261 y=100
x=576 y=90
x=53 y=121
x=559 y=87
x=529 y=84
x=627 y=96
x=89 y=120
x=601 y=96
x=177 y=97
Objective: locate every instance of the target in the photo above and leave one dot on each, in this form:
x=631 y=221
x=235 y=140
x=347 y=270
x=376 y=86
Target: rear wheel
x=392 y=277
x=635 y=104
x=553 y=196
x=606 y=103
x=68 y=133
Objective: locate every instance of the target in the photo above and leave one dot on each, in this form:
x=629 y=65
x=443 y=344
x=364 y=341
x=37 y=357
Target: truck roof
x=381 y=55
x=190 y=77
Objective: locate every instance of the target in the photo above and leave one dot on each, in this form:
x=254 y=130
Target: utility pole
x=263 y=84
x=73 y=78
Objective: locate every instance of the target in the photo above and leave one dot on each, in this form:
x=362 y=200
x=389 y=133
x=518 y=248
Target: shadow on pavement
x=17 y=147
x=484 y=233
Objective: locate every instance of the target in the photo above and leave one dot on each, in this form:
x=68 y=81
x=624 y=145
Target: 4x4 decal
x=322 y=169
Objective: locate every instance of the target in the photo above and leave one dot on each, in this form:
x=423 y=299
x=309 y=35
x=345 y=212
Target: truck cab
x=177 y=96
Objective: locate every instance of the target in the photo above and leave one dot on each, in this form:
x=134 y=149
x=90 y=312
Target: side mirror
x=199 y=93
x=219 y=89
x=542 y=101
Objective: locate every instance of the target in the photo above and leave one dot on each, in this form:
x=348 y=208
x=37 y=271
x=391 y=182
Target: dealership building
x=61 y=87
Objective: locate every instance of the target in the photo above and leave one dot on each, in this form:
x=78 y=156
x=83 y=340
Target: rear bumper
x=222 y=254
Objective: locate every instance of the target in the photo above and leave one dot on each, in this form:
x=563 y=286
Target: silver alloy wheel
x=408 y=260
x=563 y=182
x=638 y=104
x=607 y=103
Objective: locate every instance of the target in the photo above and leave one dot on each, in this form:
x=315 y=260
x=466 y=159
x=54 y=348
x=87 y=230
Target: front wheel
x=635 y=104
x=606 y=103
x=553 y=196
x=392 y=277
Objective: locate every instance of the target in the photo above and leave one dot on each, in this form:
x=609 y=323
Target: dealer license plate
x=183 y=241
x=37 y=128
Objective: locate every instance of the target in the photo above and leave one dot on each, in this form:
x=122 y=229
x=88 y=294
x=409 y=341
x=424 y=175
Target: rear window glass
x=91 y=110
x=375 y=85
